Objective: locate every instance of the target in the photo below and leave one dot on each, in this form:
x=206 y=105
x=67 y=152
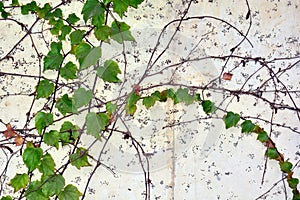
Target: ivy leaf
x=4 y=14
x=47 y=165
x=32 y=6
x=70 y=192
x=15 y=3
x=42 y=12
x=272 y=153
x=53 y=59
x=65 y=30
x=34 y=192
x=293 y=182
x=121 y=6
x=32 y=157
x=231 y=119
x=79 y=159
x=44 y=89
x=91 y=58
x=69 y=71
x=149 y=102
x=57 y=13
x=76 y=37
x=286 y=166
x=95 y=10
x=53 y=185
x=96 y=123
x=170 y=93
x=81 y=51
x=182 y=95
x=197 y=97
x=42 y=120
x=52 y=138
x=247 y=126
x=131 y=101
x=109 y=72
x=7 y=198
x=72 y=18
x=263 y=136
x=82 y=97
x=208 y=106
x=102 y=33
x=111 y=108
x=19 y=181
x=120 y=32
x=69 y=132
x=66 y=105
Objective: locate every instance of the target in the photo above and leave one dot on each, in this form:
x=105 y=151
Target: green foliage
x=42 y=120
x=272 y=153
x=53 y=185
x=82 y=97
x=47 y=165
x=52 y=138
x=44 y=89
x=7 y=198
x=81 y=51
x=69 y=71
x=263 y=136
x=94 y=10
x=103 y=32
x=109 y=72
x=80 y=159
x=131 y=101
x=19 y=181
x=72 y=18
x=293 y=182
x=76 y=37
x=70 y=192
x=96 y=123
x=120 y=32
x=15 y=2
x=30 y=7
x=286 y=166
x=231 y=119
x=111 y=108
x=66 y=105
x=32 y=157
x=208 y=106
x=247 y=126
x=91 y=58
x=34 y=191
x=182 y=95
x=121 y=6
x=68 y=133
x=53 y=59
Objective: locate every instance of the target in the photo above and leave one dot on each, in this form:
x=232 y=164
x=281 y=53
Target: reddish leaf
x=19 y=140
x=227 y=76
x=9 y=133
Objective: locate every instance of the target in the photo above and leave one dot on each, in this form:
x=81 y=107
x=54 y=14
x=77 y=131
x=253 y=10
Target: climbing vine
x=75 y=50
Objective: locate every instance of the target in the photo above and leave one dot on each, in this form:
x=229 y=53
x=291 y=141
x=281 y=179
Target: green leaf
x=47 y=165
x=34 y=192
x=286 y=166
x=5 y=14
x=66 y=105
x=182 y=95
x=69 y=71
x=120 y=6
x=72 y=130
x=76 y=37
x=7 y=198
x=96 y=123
x=247 y=126
x=42 y=12
x=160 y=96
x=94 y=10
x=263 y=136
x=149 y=102
x=293 y=182
x=170 y=93
x=30 y=7
x=53 y=185
x=197 y=97
x=52 y=138
x=272 y=153
x=102 y=33
x=72 y=18
x=91 y=58
x=296 y=194
x=109 y=72
x=57 y=13
x=44 y=89
x=70 y=192
x=131 y=101
x=32 y=157
x=19 y=181
x=208 y=106
x=42 y=120
x=82 y=97
x=65 y=30
x=110 y=108
x=81 y=50
x=120 y=32
x=80 y=159
x=15 y=3
x=231 y=119
x=53 y=59
x=1 y=6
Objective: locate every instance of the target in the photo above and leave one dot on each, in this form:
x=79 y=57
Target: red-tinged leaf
x=9 y=133
x=19 y=140
x=227 y=76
